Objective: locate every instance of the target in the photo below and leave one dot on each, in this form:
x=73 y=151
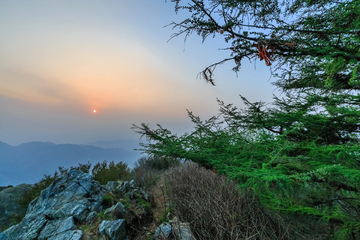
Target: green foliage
x=162 y=219
x=125 y=203
x=158 y=162
x=107 y=200
x=328 y=30
x=104 y=172
x=102 y=215
x=322 y=182
x=143 y=203
x=124 y=200
x=84 y=228
x=301 y=154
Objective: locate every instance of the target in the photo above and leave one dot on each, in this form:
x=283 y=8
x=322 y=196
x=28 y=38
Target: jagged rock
x=180 y=230
x=68 y=235
x=129 y=189
x=125 y=188
x=112 y=185
x=163 y=231
x=9 y=207
x=73 y=201
x=56 y=227
x=133 y=184
x=117 y=211
x=71 y=197
x=91 y=216
x=141 y=193
x=27 y=229
x=113 y=229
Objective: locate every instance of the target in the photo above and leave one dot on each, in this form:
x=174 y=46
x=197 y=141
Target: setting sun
x=94 y=111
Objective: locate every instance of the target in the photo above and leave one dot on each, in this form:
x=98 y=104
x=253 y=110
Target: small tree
x=301 y=155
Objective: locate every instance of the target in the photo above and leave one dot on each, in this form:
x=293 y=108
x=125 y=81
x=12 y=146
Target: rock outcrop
x=76 y=207
x=55 y=213
x=9 y=207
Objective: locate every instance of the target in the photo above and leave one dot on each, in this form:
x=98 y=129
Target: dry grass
x=216 y=210
x=214 y=207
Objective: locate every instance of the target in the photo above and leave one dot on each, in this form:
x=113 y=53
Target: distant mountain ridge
x=28 y=162
x=128 y=145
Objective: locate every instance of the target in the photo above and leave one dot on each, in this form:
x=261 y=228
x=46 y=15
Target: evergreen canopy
x=301 y=155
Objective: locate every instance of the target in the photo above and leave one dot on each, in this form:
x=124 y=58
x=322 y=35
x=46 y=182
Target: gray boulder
x=91 y=217
x=113 y=229
x=112 y=185
x=129 y=189
x=125 y=188
x=163 y=231
x=68 y=235
x=117 y=211
x=180 y=230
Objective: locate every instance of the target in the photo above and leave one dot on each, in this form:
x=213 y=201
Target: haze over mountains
x=28 y=162
x=128 y=145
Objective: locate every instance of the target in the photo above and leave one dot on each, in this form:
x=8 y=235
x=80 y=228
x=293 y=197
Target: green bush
x=107 y=201
x=103 y=173
x=84 y=228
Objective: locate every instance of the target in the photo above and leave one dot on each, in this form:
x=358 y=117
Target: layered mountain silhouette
x=28 y=162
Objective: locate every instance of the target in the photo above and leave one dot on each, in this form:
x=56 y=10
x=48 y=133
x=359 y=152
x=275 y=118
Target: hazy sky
x=60 y=60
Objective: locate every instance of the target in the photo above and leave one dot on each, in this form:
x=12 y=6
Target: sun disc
x=94 y=111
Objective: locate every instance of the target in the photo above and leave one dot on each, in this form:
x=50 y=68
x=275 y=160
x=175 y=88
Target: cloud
x=39 y=93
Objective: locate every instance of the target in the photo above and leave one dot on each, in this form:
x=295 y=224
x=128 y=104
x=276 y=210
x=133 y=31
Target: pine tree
x=302 y=154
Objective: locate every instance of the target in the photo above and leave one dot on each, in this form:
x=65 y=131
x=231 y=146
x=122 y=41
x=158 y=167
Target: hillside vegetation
x=299 y=155
x=214 y=206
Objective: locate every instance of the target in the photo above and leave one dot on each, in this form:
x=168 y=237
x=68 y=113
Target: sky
x=61 y=60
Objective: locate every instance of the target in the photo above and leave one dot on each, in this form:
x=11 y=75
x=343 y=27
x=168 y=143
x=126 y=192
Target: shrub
x=217 y=209
x=147 y=170
x=103 y=173
x=107 y=200
x=84 y=228
x=102 y=215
